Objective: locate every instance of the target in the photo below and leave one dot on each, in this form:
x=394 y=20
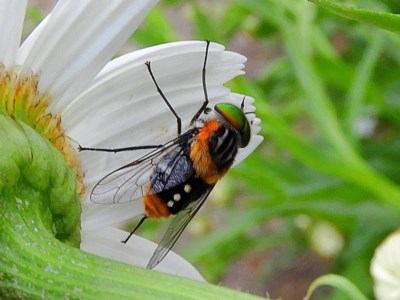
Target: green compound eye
x=237 y=119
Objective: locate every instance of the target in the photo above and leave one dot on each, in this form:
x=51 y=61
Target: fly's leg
x=203 y=78
x=134 y=229
x=115 y=150
x=178 y=119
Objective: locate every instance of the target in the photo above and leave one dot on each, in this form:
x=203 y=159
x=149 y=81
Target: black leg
x=178 y=119
x=134 y=229
x=115 y=150
x=203 y=77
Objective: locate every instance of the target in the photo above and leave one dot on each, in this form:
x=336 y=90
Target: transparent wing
x=175 y=229
x=128 y=183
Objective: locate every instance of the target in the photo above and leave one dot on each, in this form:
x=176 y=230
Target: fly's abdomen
x=171 y=201
x=154 y=206
x=179 y=197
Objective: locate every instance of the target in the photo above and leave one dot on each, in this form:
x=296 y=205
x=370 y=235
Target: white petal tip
x=106 y=242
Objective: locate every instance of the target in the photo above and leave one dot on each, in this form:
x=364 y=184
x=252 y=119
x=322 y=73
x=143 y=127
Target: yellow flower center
x=21 y=99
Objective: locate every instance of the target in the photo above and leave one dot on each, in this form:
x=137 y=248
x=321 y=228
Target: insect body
x=176 y=178
x=199 y=160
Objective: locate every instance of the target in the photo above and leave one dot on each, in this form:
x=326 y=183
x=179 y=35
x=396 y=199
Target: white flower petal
x=385 y=268
x=125 y=80
x=106 y=242
x=12 y=14
x=95 y=216
x=76 y=41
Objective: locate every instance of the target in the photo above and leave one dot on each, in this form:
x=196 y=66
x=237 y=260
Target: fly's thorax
x=213 y=150
x=233 y=133
x=223 y=147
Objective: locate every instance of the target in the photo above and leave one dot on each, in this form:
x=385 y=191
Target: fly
x=176 y=178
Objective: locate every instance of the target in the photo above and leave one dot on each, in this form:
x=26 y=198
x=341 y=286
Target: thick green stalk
x=39 y=234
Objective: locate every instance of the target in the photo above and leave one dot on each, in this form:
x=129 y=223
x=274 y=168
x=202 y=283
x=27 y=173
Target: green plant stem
x=338 y=282
x=381 y=20
x=39 y=234
x=363 y=75
x=318 y=102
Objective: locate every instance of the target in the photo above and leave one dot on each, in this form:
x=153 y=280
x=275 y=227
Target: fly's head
x=234 y=117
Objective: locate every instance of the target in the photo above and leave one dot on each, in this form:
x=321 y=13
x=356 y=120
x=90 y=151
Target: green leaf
x=361 y=81
x=156 y=30
x=381 y=20
x=338 y=282
x=205 y=29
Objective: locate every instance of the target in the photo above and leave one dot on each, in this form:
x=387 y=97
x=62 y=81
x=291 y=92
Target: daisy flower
x=61 y=87
x=385 y=268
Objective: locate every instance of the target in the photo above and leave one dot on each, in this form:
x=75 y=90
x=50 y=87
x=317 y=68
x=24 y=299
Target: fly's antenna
x=242 y=104
x=134 y=229
x=242 y=108
x=203 y=78
x=246 y=112
x=178 y=119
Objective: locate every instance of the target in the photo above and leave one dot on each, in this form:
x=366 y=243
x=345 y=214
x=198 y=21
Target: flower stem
x=39 y=234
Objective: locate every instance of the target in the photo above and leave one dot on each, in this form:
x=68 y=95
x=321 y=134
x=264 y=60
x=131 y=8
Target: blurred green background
x=321 y=192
